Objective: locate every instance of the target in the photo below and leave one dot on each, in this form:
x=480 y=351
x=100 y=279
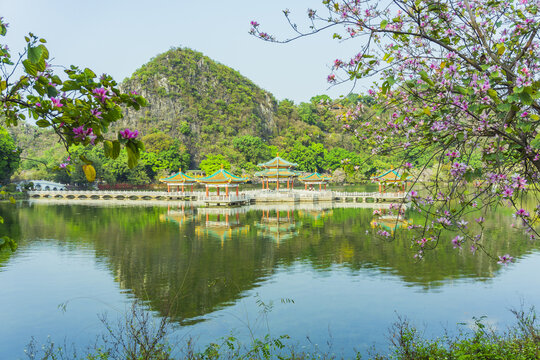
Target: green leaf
x=116 y=149
x=505 y=107
x=133 y=154
x=89 y=73
x=34 y=54
x=426 y=78
x=51 y=91
x=107 y=148
x=42 y=123
x=44 y=52
x=30 y=67
x=525 y=98
x=85 y=160
x=383 y=24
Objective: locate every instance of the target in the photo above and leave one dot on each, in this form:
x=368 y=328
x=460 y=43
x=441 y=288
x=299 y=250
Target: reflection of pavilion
x=221 y=223
x=277 y=225
x=390 y=223
x=316 y=214
x=180 y=215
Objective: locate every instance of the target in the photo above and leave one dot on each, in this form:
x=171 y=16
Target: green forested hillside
x=203 y=111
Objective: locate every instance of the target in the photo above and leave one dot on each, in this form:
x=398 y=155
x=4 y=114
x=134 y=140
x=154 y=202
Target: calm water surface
x=211 y=270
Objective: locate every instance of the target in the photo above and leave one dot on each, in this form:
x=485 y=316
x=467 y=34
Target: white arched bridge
x=246 y=197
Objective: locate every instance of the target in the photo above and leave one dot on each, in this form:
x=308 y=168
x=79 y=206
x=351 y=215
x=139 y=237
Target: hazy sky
x=118 y=36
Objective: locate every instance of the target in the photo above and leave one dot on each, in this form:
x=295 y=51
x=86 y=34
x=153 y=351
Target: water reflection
x=187 y=262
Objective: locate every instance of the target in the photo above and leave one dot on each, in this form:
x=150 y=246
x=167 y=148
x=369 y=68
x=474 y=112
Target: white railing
x=201 y=195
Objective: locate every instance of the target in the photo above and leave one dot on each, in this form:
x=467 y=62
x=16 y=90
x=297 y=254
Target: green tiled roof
x=391 y=175
x=274 y=173
x=222 y=176
x=278 y=162
x=179 y=177
x=315 y=177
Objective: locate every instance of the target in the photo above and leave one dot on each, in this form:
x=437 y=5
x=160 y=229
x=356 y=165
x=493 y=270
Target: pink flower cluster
x=128 y=134
x=82 y=134
x=101 y=94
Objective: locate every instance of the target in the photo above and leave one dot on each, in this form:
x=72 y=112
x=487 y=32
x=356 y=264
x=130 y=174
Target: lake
x=317 y=272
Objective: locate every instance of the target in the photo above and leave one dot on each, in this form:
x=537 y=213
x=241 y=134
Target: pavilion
x=222 y=179
x=393 y=177
x=179 y=179
x=315 y=179
x=277 y=170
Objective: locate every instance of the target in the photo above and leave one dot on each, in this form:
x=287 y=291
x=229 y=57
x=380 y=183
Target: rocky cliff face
x=199 y=101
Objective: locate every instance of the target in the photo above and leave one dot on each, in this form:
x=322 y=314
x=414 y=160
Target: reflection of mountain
x=190 y=272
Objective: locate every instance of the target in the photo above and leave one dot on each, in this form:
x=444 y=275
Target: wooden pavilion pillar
x=320 y=186
x=217 y=187
x=177 y=188
x=168 y=188
x=306 y=185
x=236 y=190
x=325 y=186
x=227 y=191
x=262 y=183
x=191 y=187
x=288 y=180
x=380 y=188
x=206 y=190
x=182 y=188
x=277 y=182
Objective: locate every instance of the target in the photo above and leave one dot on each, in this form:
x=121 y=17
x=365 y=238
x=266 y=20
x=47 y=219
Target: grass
x=139 y=336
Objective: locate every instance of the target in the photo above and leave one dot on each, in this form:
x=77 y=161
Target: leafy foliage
x=9 y=156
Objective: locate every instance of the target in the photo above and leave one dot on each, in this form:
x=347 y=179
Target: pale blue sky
x=118 y=36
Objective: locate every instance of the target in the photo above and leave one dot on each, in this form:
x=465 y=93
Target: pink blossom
x=96 y=113
x=505 y=259
x=457 y=241
x=128 y=134
x=82 y=133
x=56 y=102
x=101 y=94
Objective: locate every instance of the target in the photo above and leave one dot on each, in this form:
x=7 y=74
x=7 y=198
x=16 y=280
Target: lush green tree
x=213 y=163
x=252 y=147
x=9 y=156
x=308 y=113
x=157 y=142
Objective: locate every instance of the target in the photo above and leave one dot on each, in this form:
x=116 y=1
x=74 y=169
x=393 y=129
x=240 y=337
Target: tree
x=456 y=78
x=213 y=163
x=78 y=109
x=252 y=147
x=9 y=156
